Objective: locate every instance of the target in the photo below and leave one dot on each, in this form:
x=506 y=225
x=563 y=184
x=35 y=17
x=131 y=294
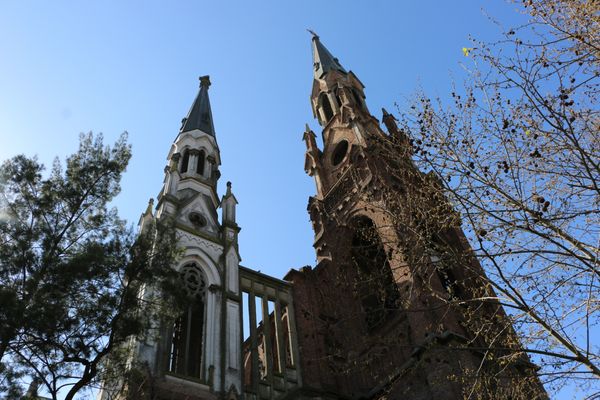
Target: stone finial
x=308 y=133
x=150 y=206
x=228 y=189
x=205 y=81
x=309 y=137
x=387 y=114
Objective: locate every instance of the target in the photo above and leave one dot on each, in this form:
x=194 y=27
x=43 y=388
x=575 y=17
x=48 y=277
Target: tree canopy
x=74 y=279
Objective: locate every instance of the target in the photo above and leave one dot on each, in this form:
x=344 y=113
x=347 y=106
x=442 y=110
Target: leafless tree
x=517 y=153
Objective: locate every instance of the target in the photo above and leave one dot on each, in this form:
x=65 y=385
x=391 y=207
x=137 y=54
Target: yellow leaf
x=527 y=132
x=466 y=51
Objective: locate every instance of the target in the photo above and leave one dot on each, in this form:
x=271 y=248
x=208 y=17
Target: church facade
x=390 y=311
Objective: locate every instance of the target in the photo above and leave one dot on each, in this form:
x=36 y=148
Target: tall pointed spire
x=200 y=115
x=323 y=60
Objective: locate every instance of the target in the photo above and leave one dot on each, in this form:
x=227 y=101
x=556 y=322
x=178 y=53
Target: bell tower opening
x=185 y=161
x=200 y=165
x=327 y=110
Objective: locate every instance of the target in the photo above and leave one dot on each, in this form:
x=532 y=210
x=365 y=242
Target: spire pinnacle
x=309 y=136
x=200 y=115
x=313 y=33
x=323 y=60
x=150 y=207
x=205 y=81
x=386 y=114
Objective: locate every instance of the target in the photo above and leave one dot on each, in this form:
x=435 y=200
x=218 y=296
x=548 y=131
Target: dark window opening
x=197 y=219
x=186 y=346
x=339 y=152
x=376 y=287
x=186 y=342
x=185 y=161
x=445 y=275
x=200 y=165
x=327 y=110
x=448 y=281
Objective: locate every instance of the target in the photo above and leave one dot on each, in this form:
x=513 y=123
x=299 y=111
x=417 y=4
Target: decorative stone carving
x=199 y=242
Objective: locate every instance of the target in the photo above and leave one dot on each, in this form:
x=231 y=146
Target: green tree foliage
x=75 y=281
x=518 y=153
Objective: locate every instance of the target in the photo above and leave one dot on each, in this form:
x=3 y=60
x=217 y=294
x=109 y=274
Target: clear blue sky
x=68 y=67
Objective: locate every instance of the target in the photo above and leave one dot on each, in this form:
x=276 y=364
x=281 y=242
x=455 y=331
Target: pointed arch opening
x=188 y=330
x=185 y=161
x=200 y=164
x=327 y=110
x=376 y=287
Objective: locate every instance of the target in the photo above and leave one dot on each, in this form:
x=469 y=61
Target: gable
x=198 y=213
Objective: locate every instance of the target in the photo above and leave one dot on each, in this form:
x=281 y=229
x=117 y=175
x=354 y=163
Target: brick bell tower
x=386 y=312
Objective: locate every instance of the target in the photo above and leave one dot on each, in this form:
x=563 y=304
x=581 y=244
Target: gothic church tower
x=198 y=356
x=385 y=313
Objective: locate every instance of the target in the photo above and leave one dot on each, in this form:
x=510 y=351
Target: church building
x=391 y=310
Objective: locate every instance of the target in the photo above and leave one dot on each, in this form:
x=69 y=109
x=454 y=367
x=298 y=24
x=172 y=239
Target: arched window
x=186 y=342
x=376 y=287
x=200 y=165
x=185 y=161
x=327 y=110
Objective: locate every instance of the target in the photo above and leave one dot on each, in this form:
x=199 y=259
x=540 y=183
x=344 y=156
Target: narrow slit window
x=201 y=161
x=185 y=161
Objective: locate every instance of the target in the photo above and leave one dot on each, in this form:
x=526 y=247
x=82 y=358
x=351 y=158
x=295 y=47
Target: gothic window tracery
x=186 y=342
